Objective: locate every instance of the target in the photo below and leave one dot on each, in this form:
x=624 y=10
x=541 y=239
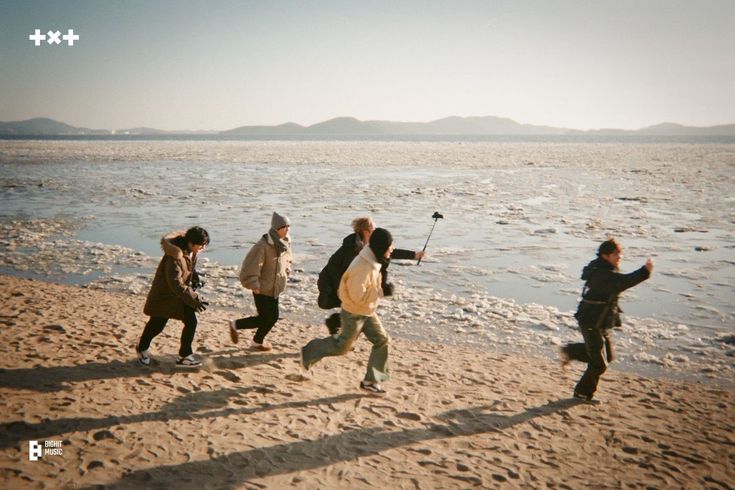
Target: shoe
x=564 y=357
x=189 y=361
x=584 y=398
x=234 y=335
x=333 y=323
x=143 y=356
x=372 y=387
x=301 y=359
x=264 y=347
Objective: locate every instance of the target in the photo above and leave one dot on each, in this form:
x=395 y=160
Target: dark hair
x=609 y=246
x=197 y=235
x=380 y=241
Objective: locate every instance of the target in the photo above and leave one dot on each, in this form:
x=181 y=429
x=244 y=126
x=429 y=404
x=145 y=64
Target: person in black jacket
x=331 y=274
x=598 y=312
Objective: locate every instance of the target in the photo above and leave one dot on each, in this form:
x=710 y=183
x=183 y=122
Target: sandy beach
x=453 y=417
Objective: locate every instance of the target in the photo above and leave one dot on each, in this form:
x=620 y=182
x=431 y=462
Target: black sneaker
x=564 y=359
x=585 y=398
x=334 y=323
x=302 y=363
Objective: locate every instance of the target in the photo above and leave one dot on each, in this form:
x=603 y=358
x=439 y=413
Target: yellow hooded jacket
x=359 y=288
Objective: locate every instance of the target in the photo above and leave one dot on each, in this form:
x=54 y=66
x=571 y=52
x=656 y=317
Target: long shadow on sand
x=235 y=469
x=198 y=405
x=54 y=378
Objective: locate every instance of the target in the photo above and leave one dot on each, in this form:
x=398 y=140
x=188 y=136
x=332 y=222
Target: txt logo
x=35 y=450
x=52 y=37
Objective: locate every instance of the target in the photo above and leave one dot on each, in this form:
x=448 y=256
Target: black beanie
x=380 y=240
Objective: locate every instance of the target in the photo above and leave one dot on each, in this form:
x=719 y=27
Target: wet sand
x=452 y=418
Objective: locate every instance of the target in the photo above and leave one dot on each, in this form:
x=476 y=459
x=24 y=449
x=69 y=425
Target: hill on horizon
x=452 y=125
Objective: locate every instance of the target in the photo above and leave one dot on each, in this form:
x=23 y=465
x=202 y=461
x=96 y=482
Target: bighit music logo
x=37 y=450
x=53 y=37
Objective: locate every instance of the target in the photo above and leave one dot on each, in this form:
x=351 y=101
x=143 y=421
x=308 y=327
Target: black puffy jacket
x=331 y=274
x=604 y=283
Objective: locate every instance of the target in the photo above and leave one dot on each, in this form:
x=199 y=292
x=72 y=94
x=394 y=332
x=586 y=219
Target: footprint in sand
x=229 y=376
x=410 y=416
x=55 y=328
x=104 y=434
x=95 y=464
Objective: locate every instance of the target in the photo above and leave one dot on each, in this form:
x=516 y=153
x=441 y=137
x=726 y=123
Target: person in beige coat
x=264 y=271
x=172 y=294
x=359 y=290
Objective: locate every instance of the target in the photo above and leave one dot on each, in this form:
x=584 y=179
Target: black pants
x=597 y=351
x=267 y=307
x=156 y=324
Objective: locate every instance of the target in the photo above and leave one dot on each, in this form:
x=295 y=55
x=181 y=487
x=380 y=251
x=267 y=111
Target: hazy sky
x=222 y=64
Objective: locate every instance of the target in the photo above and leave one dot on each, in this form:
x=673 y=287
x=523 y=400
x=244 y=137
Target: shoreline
x=624 y=362
x=452 y=418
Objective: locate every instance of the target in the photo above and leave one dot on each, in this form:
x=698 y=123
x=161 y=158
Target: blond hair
x=361 y=224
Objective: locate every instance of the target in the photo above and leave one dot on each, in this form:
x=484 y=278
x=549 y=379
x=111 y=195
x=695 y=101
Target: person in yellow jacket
x=359 y=290
x=265 y=271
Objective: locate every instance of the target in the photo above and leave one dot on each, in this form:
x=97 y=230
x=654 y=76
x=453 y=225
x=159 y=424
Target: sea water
x=521 y=219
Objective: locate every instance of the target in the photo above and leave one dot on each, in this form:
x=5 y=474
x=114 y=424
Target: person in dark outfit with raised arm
x=598 y=312
x=331 y=274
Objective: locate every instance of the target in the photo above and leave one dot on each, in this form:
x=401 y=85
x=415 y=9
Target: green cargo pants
x=340 y=345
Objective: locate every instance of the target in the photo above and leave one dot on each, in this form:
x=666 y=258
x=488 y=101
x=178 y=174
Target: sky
x=217 y=65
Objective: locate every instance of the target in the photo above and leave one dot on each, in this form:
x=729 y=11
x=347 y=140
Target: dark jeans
x=156 y=324
x=267 y=307
x=597 y=351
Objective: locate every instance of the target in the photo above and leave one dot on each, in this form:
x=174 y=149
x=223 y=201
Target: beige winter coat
x=263 y=269
x=171 y=288
x=359 y=288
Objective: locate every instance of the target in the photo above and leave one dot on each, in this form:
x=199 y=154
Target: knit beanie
x=380 y=240
x=278 y=221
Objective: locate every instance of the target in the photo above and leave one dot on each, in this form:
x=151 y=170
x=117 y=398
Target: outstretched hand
x=202 y=306
x=649 y=265
x=420 y=254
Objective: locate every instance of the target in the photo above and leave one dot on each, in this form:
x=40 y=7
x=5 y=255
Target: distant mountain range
x=453 y=125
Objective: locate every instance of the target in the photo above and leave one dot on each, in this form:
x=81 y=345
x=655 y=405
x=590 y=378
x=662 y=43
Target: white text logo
x=54 y=37
x=36 y=450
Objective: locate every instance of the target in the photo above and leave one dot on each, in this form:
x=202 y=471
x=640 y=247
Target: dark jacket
x=331 y=275
x=171 y=288
x=604 y=283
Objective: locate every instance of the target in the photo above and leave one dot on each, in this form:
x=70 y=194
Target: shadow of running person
x=235 y=469
x=197 y=405
x=55 y=378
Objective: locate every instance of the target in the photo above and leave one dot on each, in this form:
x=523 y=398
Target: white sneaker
x=372 y=387
x=144 y=357
x=234 y=335
x=189 y=361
